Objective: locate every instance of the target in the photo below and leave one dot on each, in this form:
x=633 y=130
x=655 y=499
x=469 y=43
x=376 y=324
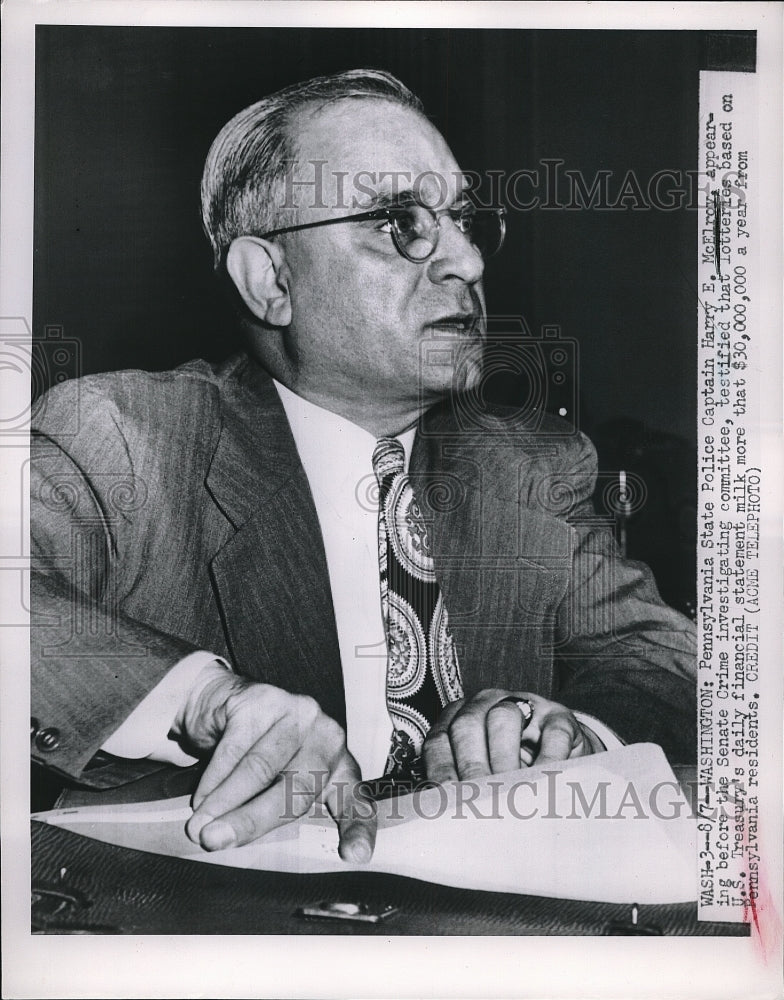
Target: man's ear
x=257 y=269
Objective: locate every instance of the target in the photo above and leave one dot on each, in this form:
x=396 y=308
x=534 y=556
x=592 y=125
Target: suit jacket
x=170 y=511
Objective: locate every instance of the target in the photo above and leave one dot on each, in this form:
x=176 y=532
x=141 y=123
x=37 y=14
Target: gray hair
x=246 y=167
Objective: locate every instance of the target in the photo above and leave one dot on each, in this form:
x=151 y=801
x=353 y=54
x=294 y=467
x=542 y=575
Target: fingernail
x=196 y=823
x=359 y=852
x=217 y=836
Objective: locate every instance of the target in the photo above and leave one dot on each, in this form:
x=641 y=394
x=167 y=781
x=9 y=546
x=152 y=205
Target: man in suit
x=207 y=563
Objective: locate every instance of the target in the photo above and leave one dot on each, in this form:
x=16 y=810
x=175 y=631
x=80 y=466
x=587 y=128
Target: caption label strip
x=730 y=480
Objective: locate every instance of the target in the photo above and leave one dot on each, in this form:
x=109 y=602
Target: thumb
x=355 y=813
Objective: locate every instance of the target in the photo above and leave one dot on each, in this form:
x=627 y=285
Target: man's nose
x=455 y=257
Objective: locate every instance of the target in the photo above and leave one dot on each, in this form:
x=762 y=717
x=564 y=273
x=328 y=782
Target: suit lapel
x=271 y=577
x=493 y=556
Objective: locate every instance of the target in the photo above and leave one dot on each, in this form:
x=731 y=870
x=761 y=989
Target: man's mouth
x=460 y=323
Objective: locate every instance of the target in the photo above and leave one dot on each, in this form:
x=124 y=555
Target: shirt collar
x=317 y=430
x=329 y=444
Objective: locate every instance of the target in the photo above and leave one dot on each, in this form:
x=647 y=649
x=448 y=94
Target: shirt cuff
x=145 y=733
x=610 y=739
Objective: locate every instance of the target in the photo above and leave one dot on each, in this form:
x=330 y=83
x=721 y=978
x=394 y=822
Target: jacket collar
x=255 y=454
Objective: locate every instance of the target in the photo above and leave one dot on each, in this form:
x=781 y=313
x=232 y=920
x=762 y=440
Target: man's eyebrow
x=395 y=199
x=391 y=199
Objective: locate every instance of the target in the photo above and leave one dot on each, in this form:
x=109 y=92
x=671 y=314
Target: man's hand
x=258 y=731
x=487 y=734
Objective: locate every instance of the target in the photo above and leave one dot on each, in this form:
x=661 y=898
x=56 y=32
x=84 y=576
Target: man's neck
x=374 y=414
x=377 y=418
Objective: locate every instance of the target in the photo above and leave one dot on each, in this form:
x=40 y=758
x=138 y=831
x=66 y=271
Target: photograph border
x=71 y=966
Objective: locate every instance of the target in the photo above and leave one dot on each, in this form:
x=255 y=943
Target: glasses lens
x=485 y=228
x=415 y=231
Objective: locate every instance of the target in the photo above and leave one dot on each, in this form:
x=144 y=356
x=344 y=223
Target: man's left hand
x=487 y=734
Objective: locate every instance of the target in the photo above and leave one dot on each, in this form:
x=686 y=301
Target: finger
x=285 y=801
x=354 y=813
x=590 y=744
x=440 y=763
x=439 y=760
x=529 y=744
x=559 y=734
x=504 y=732
x=527 y=755
x=468 y=736
x=532 y=730
x=251 y=770
x=241 y=768
x=242 y=731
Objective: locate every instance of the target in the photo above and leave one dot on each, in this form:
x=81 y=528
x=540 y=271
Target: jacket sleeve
x=623 y=655
x=90 y=664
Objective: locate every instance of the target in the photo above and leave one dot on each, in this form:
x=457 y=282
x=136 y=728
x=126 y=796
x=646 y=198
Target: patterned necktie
x=423 y=674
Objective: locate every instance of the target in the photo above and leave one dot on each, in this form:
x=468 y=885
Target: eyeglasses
x=415 y=228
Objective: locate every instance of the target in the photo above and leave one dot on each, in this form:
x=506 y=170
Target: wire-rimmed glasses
x=415 y=228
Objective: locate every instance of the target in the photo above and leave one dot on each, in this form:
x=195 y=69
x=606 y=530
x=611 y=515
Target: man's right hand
x=256 y=731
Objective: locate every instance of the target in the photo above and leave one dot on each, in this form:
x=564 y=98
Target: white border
x=344 y=966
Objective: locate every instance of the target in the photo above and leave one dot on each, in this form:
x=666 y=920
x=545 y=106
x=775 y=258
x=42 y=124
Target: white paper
x=612 y=828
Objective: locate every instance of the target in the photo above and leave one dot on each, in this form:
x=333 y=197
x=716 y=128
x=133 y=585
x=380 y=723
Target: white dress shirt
x=337 y=458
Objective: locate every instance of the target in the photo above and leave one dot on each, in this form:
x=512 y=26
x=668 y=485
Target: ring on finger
x=526 y=707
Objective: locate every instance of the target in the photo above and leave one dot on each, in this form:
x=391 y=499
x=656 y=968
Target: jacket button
x=33 y=727
x=47 y=740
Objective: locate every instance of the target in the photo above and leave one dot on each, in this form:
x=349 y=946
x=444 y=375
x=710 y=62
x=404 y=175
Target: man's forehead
x=366 y=152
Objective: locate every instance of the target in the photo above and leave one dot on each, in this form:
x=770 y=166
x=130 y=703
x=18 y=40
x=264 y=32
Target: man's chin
x=461 y=380
x=449 y=366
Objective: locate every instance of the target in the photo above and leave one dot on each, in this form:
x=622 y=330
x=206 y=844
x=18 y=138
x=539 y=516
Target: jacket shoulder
x=131 y=393
x=132 y=403
x=159 y=428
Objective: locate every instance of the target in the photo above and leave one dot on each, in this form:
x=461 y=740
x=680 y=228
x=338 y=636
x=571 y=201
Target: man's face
x=367 y=322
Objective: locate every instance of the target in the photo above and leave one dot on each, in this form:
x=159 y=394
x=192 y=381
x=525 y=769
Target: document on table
x=614 y=827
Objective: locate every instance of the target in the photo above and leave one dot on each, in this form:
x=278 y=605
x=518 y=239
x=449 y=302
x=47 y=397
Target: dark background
x=123 y=273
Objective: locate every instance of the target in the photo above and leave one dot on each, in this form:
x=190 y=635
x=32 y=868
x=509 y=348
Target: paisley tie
x=423 y=674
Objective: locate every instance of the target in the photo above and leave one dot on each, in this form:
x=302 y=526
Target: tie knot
x=388 y=458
